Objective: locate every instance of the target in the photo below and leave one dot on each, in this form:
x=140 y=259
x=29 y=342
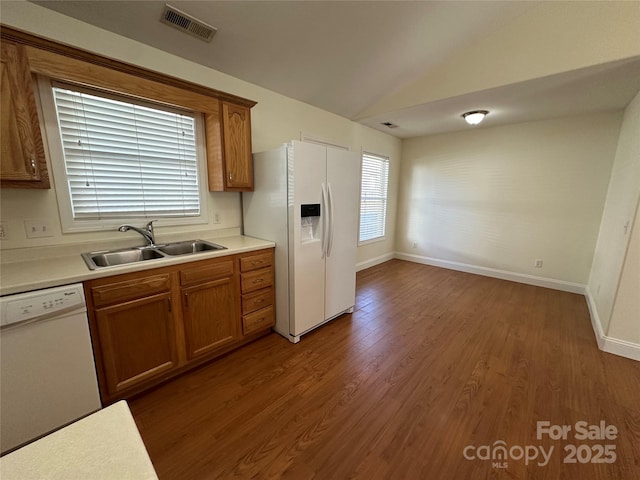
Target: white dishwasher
x=47 y=371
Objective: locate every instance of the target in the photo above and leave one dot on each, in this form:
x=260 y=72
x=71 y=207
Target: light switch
x=38 y=228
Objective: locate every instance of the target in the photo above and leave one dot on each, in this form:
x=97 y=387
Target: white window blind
x=126 y=159
x=373 y=196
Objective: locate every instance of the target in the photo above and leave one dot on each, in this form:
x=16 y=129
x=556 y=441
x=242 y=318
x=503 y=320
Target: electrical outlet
x=216 y=217
x=4 y=231
x=415 y=245
x=538 y=263
x=38 y=228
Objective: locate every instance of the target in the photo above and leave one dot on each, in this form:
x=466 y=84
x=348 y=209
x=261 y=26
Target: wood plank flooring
x=431 y=361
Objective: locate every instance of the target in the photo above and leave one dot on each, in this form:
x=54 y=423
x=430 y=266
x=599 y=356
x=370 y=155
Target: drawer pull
x=258 y=280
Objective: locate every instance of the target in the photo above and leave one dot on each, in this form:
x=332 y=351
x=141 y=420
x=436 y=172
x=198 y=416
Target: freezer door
x=343 y=180
x=307 y=273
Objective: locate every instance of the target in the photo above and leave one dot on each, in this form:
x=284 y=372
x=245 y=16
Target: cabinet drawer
x=257 y=300
x=254 y=262
x=257 y=280
x=258 y=320
x=130 y=289
x=210 y=271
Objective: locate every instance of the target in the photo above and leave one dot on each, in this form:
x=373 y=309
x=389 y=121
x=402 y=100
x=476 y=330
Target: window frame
x=387 y=160
x=53 y=142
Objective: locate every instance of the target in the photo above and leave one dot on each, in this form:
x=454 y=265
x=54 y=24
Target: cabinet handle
x=34 y=171
x=258 y=280
x=169 y=306
x=230 y=176
x=186 y=300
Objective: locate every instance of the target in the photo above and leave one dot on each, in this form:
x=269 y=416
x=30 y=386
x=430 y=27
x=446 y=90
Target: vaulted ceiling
x=418 y=64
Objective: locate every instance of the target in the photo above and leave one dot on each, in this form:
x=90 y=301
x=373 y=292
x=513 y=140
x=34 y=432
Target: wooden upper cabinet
x=229 y=149
x=236 y=138
x=22 y=161
x=227 y=117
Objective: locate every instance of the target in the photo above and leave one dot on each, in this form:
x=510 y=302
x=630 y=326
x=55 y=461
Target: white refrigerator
x=306 y=199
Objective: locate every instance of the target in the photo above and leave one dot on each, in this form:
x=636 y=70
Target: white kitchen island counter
x=37 y=268
x=105 y=445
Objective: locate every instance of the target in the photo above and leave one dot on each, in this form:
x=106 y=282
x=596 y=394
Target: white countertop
x=43 y=272
x=103 y=446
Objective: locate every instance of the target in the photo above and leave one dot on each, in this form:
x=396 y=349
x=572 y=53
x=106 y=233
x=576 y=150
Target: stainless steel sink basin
x=120 y=257
x=112 y=258
x=189 y=247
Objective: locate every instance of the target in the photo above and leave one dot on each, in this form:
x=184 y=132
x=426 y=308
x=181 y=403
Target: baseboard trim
x=622 y=348
x=607 y=344
x=375 y=261
x=496 y=273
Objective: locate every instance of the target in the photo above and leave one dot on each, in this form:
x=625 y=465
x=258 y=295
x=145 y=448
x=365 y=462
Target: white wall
x=502 y=197
x=275 y=119
x=613 y=238
x=625 y=317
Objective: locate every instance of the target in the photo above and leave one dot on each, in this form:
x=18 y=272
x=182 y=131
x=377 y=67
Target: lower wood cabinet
x=210 y=316
x=149 y=326
x=137 y=340
x=257 y=286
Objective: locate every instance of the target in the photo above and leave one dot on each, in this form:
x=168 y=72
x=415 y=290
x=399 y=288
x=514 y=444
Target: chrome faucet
x=147 y=233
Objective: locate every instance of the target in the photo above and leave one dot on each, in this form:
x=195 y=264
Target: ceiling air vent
x=389 y=125
x=180 y=20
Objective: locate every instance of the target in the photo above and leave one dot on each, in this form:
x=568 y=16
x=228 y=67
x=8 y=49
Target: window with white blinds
x=125 y=159
x=373 y=196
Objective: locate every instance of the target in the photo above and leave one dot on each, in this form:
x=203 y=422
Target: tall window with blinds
x=373 y=197
x=126 y=159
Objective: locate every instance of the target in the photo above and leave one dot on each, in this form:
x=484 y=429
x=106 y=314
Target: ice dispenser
x=309 y=222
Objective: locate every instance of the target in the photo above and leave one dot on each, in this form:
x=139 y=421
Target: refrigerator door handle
x=331 y=223
x=325 y=220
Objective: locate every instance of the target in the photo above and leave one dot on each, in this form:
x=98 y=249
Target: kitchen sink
x=120 y=257
x=189 y=247
x=112 y=258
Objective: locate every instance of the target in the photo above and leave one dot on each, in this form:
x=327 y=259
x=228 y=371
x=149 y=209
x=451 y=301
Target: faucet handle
x=149 y=226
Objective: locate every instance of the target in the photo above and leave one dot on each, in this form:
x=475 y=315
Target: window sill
x=373 y=240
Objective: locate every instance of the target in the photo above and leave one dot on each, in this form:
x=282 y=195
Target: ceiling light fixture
x=475 y=117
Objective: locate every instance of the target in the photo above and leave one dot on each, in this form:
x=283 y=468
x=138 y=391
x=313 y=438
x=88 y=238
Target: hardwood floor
x=431 y=361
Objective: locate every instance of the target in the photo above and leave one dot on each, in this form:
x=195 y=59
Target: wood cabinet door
x=137 y=340
x=22 y=161
x=236 y=128
x=211 y=320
